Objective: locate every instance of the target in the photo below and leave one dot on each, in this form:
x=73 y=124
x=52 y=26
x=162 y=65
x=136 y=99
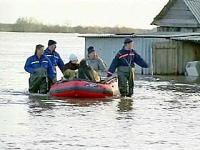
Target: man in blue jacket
x=54 y=58
x=125 y=61
x=40 y=69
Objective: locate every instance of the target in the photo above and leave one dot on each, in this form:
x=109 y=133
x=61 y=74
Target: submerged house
x=176 y=42
x=179 y=16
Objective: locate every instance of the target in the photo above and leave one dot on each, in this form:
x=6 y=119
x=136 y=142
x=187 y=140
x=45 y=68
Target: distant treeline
x=32 y=25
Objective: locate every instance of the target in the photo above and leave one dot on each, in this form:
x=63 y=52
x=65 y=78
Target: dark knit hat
x=51 y=42
x=90 y=49
x=127 y=40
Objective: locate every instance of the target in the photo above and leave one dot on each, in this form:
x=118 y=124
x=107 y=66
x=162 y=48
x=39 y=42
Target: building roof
x=187 y=38
x=106 y=35
x=145 y=35
x=178 y=36
x=193 y=6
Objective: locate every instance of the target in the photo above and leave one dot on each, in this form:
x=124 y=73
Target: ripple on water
x=161 y=115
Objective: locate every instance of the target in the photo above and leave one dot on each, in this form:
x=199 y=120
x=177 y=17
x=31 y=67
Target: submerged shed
x=107 y=47
x=165 y=52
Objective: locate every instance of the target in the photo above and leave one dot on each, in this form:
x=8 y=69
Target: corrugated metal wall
x=108 y=47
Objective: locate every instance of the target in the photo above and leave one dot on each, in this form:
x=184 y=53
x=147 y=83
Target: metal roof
x=105 y=35
x=193 y=5
x=187 y=38
x=146 y=35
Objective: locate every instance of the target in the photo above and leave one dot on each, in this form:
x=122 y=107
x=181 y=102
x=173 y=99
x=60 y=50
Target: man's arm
x=113 y=66
x=102 y=65
x=27 y=66
x=60 y=63
x=139 y=61
x=50 y=70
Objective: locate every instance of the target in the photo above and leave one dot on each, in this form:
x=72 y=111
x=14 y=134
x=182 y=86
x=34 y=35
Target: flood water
x=164 y=113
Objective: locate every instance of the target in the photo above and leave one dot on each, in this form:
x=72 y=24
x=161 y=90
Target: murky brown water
x=164 y=113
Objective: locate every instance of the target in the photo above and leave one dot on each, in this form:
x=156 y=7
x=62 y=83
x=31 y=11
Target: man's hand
x=109 y=75
x=54 y=80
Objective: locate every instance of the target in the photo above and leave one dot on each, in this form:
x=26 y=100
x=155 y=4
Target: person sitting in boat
x=95 y=61
x=40 y=68
x=70 y=70
x=88 y=73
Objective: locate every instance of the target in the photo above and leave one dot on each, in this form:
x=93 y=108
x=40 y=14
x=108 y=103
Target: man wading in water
x=40 y=69
x=125 y=61
x=55 y=59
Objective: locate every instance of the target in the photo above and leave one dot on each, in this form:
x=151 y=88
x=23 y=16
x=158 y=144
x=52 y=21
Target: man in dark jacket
x=40 y=69
x=86 y=72
x=70 y=70
x=125 y=61
x=54 y=58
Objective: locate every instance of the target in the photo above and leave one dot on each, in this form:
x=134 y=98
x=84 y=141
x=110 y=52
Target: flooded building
x=179 y=16
x=165 y=53
x=176 y=42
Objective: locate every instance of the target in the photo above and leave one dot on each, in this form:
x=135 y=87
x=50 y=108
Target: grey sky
x=130 y=13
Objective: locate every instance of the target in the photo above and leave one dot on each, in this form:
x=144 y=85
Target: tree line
x=32 y=25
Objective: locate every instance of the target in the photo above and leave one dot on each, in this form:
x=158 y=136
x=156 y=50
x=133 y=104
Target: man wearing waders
x=40 y=69
x=55 y=59
x=125 y=61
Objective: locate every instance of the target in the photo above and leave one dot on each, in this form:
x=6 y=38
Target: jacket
x=126 y=58
x=33 y=63
x=54 y=58
x=96 y=64
x=70 y=66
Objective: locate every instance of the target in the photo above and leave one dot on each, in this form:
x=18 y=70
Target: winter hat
x=127 y=40
x=51 y=42
x=90 y=49
x=73 y=57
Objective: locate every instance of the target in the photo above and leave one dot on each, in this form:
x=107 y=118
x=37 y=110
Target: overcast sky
x=130 y=13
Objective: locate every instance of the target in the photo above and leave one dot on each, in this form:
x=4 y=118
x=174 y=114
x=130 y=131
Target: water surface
x=163 y=114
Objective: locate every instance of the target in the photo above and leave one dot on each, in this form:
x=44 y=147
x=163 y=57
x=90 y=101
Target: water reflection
x=178 y=79
x=85 y=102
x=172 y=83
x=125 y=105
x=184 y=88
x=39 y=103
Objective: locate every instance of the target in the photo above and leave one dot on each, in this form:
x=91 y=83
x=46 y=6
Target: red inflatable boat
x=83 y=89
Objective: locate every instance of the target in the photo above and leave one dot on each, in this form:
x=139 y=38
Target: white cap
x=73 y=57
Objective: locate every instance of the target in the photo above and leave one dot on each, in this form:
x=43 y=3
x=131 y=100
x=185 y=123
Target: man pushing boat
x=55 y=59
x=125 y=61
